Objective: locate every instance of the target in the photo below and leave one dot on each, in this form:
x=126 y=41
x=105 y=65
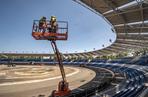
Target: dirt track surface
x=35 y=83
x=21 y=73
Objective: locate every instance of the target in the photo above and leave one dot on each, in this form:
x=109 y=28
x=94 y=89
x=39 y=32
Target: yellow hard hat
x=53 y=18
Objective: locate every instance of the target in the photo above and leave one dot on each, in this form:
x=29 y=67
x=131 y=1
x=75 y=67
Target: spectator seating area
x=133 y=84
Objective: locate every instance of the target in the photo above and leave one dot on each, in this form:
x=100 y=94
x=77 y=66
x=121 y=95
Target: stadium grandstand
x=121 y=69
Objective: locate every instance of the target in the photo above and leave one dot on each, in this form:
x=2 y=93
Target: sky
x=86 y=29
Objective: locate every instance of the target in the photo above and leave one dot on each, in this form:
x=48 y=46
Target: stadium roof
x=129 y=20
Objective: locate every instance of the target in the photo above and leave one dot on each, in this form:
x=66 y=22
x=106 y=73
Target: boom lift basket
x=44 y=33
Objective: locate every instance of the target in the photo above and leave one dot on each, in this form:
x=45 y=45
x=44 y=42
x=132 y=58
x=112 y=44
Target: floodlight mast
x=47 y=33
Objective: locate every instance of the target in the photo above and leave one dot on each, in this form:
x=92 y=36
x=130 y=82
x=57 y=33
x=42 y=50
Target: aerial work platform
x=48 y=30
x=45 y=33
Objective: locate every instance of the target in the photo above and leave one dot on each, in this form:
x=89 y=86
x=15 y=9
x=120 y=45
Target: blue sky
x=86 y=29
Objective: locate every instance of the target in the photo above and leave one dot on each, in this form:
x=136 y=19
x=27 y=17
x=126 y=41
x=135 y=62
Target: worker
x=53 y=24
x=42 y=24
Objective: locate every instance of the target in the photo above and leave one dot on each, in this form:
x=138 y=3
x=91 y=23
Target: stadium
x=117 y=70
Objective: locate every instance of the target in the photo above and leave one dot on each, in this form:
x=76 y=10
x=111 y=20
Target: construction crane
x=47 y=31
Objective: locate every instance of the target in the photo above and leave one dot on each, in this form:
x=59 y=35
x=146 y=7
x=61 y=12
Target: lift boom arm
x=59 y=59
